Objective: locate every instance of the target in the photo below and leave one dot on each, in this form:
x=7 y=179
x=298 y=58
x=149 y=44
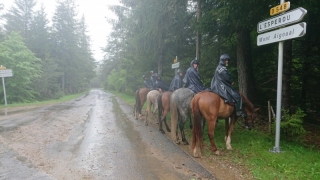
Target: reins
x=244 y=126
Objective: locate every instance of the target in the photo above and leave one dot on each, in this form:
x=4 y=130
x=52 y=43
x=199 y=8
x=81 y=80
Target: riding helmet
x=223 y=57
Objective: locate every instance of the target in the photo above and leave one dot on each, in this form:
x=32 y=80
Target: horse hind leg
x=183 y=136
x=165 y=122
x=160 y=125
x=211 y=126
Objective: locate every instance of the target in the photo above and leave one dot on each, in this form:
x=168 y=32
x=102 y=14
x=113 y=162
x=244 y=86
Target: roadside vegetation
x=253 y=150
x=52 y=101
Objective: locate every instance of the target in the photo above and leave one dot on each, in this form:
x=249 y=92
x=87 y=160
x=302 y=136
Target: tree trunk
x=160 y=53
x=286 y=78
x=198 y=44
x=244 y=64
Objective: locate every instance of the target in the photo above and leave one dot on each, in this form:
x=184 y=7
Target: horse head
x=251 y=111
x=249 y=119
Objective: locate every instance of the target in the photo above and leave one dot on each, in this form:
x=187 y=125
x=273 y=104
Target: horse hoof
x=162 y=131
x=185 y=143
x=217 y=153
x=196 y=154
x=146 y=124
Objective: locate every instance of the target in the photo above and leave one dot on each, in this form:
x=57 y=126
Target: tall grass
x=251 y=149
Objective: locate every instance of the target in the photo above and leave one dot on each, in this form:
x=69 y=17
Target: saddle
x=225 y=100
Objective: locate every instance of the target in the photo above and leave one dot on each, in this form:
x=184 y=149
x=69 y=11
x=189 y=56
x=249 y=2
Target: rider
x=222 y=84
x=161 y=85
x=146 y=82
x=153 y=80
x=176 y=82
x=192 y=78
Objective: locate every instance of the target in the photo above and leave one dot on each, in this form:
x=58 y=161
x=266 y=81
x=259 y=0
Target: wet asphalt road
x=93 y=137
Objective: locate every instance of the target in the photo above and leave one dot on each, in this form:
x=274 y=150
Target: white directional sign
x=6 y=73
x=290 y=32
x=289 y=17
x=175 y=65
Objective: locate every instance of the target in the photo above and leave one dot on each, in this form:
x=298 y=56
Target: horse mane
x=246 y=102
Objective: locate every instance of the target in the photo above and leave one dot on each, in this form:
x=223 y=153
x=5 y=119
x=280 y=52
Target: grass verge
x=251 y=149
x=62 y=99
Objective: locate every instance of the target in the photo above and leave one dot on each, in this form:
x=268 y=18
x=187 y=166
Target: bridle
x=246 y=123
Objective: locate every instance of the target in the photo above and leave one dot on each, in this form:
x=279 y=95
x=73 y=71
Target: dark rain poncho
x=221 y=84
x=176 y=83
x=161 y=85
x=192 y=79
x=152 y=82
x=147 y=84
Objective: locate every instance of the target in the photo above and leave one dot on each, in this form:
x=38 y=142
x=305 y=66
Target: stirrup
x=241 y=113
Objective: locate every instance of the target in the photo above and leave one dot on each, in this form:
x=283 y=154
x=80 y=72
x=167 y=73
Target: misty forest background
x=53 y=57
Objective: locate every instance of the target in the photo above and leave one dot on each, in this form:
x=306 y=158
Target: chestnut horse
x=180 y=110
x=212 y=107
x=152 y=100
x=163 y=109
x=141 y=97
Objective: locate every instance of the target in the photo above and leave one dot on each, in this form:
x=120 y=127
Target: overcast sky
x=95 y=12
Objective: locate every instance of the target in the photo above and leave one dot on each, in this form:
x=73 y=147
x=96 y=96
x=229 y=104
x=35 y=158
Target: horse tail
x=197 y=134
x=160 y=106
x=138 y=101
x=174 y=118
x=190 y=118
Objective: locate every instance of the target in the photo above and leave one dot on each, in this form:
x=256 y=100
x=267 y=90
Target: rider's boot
x=239 y=110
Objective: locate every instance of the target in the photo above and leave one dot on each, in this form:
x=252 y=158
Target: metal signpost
x=289 y=17
x=175 y=65
x=5 y=73
x=280 y=35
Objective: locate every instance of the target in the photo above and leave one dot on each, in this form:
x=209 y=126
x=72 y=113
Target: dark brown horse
x=212 y=107
x=141 y=97
x=163 y=109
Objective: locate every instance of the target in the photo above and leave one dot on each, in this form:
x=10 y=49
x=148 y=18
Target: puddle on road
x=147 y=164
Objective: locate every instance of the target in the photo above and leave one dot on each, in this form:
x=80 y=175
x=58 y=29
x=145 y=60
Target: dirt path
x=93 y=137
x=220 y=166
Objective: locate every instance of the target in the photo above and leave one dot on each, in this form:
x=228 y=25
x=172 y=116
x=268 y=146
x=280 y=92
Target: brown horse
x=212 y=107
x=141 y=97
x=163 y=109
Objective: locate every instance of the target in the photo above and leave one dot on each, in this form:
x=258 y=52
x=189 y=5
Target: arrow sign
x=6 y=73
x=290 y=32
x=175 y=65
x=289 y=17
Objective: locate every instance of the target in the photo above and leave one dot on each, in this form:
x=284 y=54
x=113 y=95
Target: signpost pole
x=175 y=69
x=276 y=148
x=4 y=92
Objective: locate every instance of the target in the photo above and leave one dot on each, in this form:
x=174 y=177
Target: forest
x=53 y=59
x=149 y=34
x=49 y=58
